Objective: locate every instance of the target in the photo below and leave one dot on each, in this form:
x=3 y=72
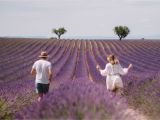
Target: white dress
x=113 y=73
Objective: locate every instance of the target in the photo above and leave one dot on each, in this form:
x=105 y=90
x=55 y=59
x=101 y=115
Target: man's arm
x=50 y=75
x=33 y=71
x=50 y=72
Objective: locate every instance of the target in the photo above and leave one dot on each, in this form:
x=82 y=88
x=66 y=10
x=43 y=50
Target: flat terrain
x=76 y=60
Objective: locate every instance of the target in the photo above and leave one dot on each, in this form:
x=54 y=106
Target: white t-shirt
x=42 y=67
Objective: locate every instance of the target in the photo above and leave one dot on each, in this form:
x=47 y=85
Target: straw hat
x=43 y=54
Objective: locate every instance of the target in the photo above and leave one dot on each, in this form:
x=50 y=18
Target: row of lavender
x=71 y=60
x=97 y=51
x=83 y=99
x=22 y=54
x=79 y=99
x=93 y=49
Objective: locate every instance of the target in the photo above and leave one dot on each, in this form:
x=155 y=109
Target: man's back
x=42 y=68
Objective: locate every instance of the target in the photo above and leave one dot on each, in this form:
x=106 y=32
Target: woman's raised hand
x=98 y=67
x=130 y=66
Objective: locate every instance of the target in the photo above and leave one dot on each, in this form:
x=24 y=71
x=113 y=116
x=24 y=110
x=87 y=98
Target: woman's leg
x=119 y=86
x=114 y=92
x=120 y=91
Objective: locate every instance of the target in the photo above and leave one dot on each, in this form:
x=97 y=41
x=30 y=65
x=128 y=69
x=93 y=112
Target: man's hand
x=49 y=81
x=33 y=71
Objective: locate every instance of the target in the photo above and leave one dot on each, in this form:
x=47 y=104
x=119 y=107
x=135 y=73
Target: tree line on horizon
x=120 y=31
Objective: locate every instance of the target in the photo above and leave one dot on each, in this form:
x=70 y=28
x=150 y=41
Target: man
x=42 y=69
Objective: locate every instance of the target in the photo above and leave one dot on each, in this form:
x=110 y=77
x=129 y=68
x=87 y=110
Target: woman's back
x=115 y=69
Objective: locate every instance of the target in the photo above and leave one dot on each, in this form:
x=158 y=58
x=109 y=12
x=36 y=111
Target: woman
x=113 y=71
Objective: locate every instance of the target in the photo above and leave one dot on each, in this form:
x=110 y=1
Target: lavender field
x=78 y=91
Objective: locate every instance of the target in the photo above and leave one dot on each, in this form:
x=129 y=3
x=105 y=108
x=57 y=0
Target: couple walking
x=42 y=69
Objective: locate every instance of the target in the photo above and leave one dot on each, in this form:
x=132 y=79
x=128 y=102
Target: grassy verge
x=145 y=99
x=8 y=110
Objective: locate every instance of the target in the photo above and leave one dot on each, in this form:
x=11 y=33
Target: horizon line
x=81 y=37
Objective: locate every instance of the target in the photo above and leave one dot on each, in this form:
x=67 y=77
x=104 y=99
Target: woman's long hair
x=112 y=59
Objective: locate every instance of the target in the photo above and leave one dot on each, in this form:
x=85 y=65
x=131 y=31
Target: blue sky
x=80 y=17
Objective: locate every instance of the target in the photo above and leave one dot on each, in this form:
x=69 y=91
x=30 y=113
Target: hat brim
x=43 y=56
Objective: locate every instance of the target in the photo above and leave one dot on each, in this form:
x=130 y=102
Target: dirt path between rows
x=136 y=115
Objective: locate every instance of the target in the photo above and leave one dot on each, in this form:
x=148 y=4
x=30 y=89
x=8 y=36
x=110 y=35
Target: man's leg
x=40 y=96
x=40 y=91
x=44 y=91
x=45 y=88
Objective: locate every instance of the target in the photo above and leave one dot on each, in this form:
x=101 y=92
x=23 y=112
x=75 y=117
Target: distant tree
x=121 y=31
x=59 y=32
